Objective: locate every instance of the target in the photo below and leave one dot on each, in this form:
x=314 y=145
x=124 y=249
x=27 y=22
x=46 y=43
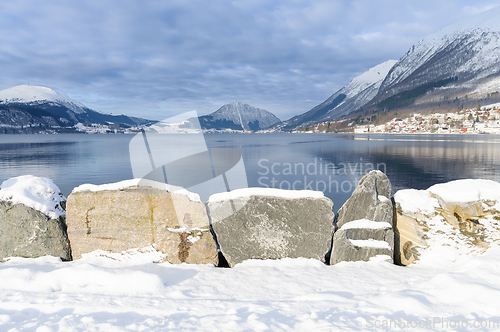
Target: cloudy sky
x=155 y=59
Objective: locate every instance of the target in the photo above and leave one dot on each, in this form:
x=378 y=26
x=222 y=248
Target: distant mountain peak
x=38 y=109
x=237 y=115
x=235 y=102
x=26 y=94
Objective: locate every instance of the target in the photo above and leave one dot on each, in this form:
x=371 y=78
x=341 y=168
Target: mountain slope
x=29 y=94
x=26 y=109
x=347 y=100
x=463 y=57
x=238 y=116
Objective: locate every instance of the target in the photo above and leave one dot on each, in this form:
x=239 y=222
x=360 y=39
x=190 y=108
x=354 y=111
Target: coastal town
x=482 y=120
x=478 y=120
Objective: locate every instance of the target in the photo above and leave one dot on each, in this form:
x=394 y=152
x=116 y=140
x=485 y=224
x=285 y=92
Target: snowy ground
x=117 y=292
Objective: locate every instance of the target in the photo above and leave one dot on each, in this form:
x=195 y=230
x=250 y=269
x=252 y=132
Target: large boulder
x=266 y=223
x=460 y=214
x=139 y=213
x=365 y=222
x=370 y=200
x=360 y=240
x=32 y=219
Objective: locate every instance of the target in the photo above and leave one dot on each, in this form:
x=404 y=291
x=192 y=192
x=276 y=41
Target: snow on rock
x=135 y=183
x=371 y=244
x=462 y=215
x=468 y=190
x=364 y=223
x=274 y=192
x=39 y=193
x=412 y=201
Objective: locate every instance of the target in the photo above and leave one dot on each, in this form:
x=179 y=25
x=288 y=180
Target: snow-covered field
x=447 y=289
x=129 y=292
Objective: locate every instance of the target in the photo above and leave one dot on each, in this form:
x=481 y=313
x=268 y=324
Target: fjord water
x=332 y=163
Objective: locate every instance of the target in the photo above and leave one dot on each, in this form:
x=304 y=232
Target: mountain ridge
x=36 y=109
x=359 y=91
x=450 y=69
x=466 y=51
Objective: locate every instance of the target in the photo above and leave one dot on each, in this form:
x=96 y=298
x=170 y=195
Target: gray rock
x=344 y=250
x=370 y=200
x=381 y=234
x=271 y=227
x=25 y=232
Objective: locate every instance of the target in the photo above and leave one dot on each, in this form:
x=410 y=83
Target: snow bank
x=130 y=293
x=469 y=190
x=247 y=192
x=364 y=223
x=136 y=182
x=38 y=193
x=81 y=278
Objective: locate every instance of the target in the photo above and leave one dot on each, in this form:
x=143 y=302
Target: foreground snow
x=115 y=292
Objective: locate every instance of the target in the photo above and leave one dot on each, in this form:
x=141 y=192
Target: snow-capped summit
x=468 y=49
x=27 y=94
x=350 y=98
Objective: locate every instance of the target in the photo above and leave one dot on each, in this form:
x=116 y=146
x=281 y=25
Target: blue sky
x=155 y=59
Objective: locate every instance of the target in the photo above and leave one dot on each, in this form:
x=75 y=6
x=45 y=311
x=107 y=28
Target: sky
x=156 y=59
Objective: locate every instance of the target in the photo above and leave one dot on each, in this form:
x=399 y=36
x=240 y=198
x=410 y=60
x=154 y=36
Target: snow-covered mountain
x=238 y=116
x=29 y=94
x=461 y=59
x=27 y=109
x=350 y=98
x=458 y=65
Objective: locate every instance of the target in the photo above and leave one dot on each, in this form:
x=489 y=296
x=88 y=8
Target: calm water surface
x=332 y=163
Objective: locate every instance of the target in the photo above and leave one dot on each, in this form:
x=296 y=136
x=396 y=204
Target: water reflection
x=336 y=162
x=70 y=160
